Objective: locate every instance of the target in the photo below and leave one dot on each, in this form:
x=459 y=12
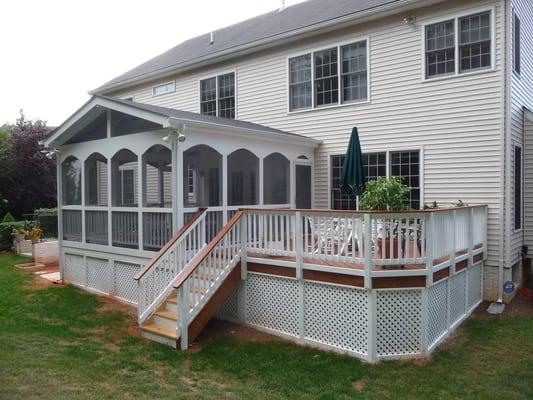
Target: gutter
x=276 y=40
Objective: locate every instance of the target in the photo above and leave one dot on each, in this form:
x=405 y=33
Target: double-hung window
x=516 y=44
x=458 y=45
x=328 y=77
x=404 y=164
x=217 y=96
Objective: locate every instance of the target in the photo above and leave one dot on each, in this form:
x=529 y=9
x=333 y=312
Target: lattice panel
x=125 y=286
x=474 y=285
x=98 y=274
x=457 y=296
x=398 y=322
x=337 y=316
x=229 y=309
x=272 y=302
x=438 y=311
x=74 y=269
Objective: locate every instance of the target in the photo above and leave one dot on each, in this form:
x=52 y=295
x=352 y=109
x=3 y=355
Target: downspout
x=505 y=238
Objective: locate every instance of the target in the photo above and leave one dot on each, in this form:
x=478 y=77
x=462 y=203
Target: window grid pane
x=354 y=72
x=208 y=95
x=440 y=49
x=326 y=77
x=300 y=82
x=475 y=42
x=226 y=96
x=406 y=165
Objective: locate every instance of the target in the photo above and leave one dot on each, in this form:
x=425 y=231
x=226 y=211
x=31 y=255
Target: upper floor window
x=516 y=44
x=164 y=88
x=467 y=39
x=440 y=49
x=217 y=96
x=328 y=77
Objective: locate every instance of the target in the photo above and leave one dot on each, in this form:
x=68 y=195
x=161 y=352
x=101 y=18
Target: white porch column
x=60 y=217
x=261 y=201
x=224 y=189
x=83 y=230
x=177 y=186
x=140 y=200
x=109 y=205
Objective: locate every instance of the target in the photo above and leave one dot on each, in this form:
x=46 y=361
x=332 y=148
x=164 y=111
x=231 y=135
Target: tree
x=27 y=177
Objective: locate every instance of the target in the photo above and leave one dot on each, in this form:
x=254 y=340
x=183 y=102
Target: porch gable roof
x=166 y=117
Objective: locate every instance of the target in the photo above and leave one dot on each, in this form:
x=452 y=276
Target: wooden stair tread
x=167 y=314
x=160 y=330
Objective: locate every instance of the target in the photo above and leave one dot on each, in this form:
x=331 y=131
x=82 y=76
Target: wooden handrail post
x=244 y=245
x=367 y=243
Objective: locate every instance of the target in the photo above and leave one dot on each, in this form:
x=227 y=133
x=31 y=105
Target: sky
x=53 y=52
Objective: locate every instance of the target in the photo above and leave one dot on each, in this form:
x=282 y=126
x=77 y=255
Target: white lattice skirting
x=102 y=275
x=373 y=324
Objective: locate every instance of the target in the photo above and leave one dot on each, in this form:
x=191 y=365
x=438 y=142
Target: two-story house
x=258 y=115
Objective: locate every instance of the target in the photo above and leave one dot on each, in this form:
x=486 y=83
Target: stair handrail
x=230 y=255
x=155 y=280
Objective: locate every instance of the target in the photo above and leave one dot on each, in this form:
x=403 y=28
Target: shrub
x=7 y=229
x=8 y=218
x=45 y=212
x=385 y=194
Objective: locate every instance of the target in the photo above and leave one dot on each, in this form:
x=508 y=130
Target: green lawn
x=54 y=344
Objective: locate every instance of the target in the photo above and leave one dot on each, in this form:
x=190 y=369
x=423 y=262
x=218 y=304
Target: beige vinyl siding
x=528 y=182
x=455 y=122
x=521 y=96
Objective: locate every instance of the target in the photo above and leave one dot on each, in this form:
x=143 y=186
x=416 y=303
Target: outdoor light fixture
x=410 y=20
x=177 y=133
x=50 y=154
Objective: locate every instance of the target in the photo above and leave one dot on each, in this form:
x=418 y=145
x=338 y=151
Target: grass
x=57 y=343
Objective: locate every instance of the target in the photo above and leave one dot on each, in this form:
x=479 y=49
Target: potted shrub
x=19 y=234
x=386 y=194
x=35 y=235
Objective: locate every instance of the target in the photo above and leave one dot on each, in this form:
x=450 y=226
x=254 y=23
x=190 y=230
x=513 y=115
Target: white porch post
x=60 y=217
x=177 y=185
x=83 y=230
x=224 y=189
x=109 y=204
x=261 y=201
x=140 y=200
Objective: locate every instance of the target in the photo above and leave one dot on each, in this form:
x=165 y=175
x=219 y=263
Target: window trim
x=163 y=84
x=310 y=51
x=388 y=150
x=216 y=75
x=521 y=147
x=515 y=18
x=455 y=17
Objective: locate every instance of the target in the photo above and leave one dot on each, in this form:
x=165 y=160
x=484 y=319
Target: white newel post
x=244 y=245
x=298 y=248
x=82 y=208
x=430 y=234
x=183 y=301
x=367 y=244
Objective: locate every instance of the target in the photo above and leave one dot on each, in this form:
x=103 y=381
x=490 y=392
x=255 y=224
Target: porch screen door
x=303 y=186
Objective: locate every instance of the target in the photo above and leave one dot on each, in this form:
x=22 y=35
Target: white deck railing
x=156 y=278
x=366 y=243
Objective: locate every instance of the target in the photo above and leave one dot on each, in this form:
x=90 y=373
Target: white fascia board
x=263 y=44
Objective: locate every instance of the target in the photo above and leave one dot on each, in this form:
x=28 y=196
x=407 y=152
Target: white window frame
x=455 y=17
x=173 y=83
x=521 y=147
x=388 y=150
x=210 y=76
x=311 y=52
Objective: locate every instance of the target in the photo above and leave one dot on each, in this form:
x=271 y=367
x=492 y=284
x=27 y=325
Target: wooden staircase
x=204 y=284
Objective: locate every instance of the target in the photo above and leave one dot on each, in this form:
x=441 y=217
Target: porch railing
x=369 y=244
x=156 y=278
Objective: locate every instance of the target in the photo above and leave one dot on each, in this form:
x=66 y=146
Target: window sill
x=329 y=107
x=458 y=75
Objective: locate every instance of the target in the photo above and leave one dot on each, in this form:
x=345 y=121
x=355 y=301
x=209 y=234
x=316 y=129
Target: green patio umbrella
x=353 y=174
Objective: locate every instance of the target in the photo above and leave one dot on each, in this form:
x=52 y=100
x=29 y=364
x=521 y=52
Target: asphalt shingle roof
x=269 y=25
